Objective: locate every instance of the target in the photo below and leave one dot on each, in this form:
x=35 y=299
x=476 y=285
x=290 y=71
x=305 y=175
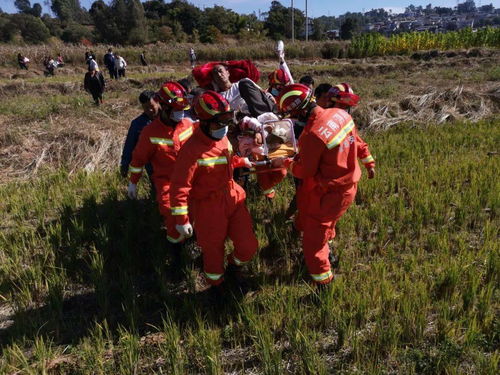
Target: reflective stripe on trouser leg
x=210 y=224
x=214 y=278
x=323 y=278
x=163 y=200
x=240 y=231
x=233 y=260
x=323 y=211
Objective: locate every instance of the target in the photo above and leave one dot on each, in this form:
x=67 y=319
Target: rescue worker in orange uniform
x=328 y=167
x=159 y=144
x=204 y=173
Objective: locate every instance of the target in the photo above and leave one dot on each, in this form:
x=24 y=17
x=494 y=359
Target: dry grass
x=50 y=123
x=437 y=106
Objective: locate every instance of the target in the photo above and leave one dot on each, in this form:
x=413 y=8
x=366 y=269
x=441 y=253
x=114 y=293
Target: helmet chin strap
x=309 y=109
x=165 y=114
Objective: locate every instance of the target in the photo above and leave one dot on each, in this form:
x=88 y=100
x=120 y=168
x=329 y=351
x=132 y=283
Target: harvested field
x=86 y=275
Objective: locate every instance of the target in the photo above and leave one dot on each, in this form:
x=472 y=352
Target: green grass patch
x=87 y=275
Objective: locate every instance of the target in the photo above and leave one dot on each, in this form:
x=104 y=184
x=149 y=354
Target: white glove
x=248 y=163
x=250 y=123
x=185 y=230
x=132 y=190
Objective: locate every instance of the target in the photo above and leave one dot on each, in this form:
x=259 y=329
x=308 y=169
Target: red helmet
x=343 y=94
x=174 y=95
x=210 y=104
x=278 y=77
x=294 y=97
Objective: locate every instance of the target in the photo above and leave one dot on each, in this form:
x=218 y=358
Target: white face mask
x=177 y=116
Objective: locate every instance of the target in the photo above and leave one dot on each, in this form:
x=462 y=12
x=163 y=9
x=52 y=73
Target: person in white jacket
x=120 y=65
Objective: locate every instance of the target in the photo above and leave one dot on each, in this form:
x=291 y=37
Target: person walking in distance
x=109 y=62
x=23 y=61
x=120 y=66
x=192 y=57
x=142 y=57
x=94 y=84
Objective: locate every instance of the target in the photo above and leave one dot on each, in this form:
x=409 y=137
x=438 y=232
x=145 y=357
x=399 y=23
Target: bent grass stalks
x=417 y=290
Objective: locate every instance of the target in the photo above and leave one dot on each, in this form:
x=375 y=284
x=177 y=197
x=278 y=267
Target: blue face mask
x=219 y=133
x=275 y=91
x=177 y=116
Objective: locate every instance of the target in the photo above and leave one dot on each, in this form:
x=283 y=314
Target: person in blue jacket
x=109 y=61
x=151 y=109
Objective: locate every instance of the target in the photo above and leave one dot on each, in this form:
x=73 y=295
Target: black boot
x=292 y=208
x=216 y=294
x=237 y=276
x=334 y=260
x=321 y=293
x=177 y=263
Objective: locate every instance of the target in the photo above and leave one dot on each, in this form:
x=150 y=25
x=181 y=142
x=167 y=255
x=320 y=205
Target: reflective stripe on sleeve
x=335 y=141
x=322 y=276
x=181 y=210
x=209 y=162
x=367 y=160
x=213 y=276
x=161 y=141
x=186 y=134
x=134 y=169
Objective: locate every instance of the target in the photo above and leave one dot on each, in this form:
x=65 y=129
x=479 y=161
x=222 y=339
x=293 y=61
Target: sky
x=316 y=8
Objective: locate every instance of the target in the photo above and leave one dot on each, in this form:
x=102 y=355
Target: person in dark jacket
x=144 y=62
x=109 y=61
x=22 y=61
x=94 y=84
x=151 y=109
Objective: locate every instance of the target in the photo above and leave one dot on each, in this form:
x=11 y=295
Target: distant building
x=333 y=34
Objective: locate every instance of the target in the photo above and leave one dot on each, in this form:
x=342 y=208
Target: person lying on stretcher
x=262 y=139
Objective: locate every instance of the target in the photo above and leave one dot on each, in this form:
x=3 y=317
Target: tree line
x=132 y=22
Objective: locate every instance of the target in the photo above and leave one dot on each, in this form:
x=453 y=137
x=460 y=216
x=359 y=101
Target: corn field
x=374 y=44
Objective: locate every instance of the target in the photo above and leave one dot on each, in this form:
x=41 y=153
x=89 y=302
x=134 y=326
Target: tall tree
x=67 y=10
x=188 y=15
x=36 y=10
x=32 y=29
x=136 y=22
x=348 y=28
x=24 y=6
x=121 y=22
x=103 y=17
x=278 y=21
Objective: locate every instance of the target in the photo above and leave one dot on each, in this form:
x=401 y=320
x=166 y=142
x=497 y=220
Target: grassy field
x=86 y=285
x=87 y=275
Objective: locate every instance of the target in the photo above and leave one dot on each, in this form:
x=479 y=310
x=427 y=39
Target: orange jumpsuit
x=204 y=172
x=328 y=166
x=159 y=145
x=268 y=180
